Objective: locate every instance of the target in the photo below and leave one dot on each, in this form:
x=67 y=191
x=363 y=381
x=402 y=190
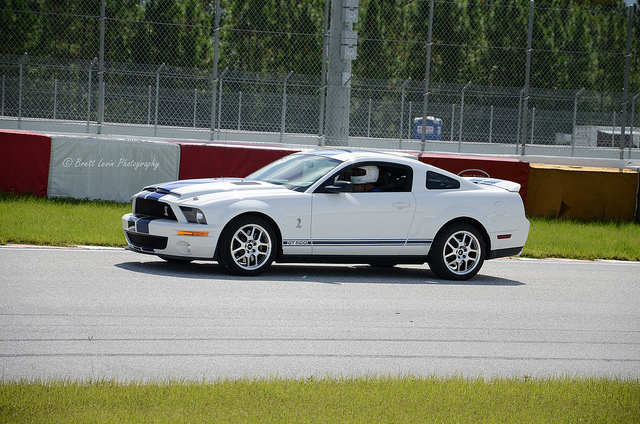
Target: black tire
x=457 y=253
x=247 y=246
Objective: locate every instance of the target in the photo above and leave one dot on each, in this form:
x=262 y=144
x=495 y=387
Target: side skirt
x=342 y=259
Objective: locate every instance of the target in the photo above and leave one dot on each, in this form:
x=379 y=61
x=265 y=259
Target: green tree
x=174 y=32
x=506 y=35
x=21 y=26
x=273 y=35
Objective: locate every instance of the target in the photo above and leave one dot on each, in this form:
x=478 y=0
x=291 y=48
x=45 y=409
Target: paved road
x=108 y=313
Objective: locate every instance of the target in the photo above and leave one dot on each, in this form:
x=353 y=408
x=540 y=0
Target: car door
x=363 y=223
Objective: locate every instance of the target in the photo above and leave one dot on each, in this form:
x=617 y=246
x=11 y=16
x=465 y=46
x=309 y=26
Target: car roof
x=345 y=155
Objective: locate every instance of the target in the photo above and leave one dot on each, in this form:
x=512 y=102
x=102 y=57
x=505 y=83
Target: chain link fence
x=256 y=66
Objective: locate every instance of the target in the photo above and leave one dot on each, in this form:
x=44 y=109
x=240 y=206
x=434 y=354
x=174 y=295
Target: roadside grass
x=366 y=400
x=68 y=222
x=559 y=238
x=61 y=222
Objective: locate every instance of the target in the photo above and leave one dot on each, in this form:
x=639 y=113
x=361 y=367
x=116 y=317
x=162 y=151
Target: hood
x=201 y=187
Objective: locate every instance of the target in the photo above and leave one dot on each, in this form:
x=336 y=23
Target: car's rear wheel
x=247 y=246
x=457 y=253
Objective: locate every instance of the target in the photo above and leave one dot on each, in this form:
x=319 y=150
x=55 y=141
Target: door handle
x=401 y=205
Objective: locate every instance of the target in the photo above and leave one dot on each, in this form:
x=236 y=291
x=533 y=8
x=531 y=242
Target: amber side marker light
x=193 y=233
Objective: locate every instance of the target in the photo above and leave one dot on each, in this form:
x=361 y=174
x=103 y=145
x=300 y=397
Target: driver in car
x=364 y=177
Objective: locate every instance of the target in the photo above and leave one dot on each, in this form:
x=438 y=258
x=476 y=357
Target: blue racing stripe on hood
x=154 y=195
x=183 y=183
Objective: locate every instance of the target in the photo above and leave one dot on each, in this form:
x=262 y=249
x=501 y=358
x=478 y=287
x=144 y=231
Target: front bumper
x=161 y=237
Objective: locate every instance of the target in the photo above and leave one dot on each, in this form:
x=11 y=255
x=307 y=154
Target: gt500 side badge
x=296 y=242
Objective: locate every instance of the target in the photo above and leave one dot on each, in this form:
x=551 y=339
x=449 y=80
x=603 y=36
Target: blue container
x=434 y=128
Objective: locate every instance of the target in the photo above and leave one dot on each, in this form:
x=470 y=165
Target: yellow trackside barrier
x=576 y=192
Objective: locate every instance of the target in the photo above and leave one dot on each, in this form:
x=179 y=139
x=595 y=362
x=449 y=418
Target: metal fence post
x=491 y=124
x=338 y=97
x=101 y=93
x=155 y=125
x=284 y=104
x=214 y=82
x=625 y=89
x=404 y=85
x=93 y=62
x=519 y=120
x=427 y=72
x=633 y=111
x=369 y=120
x=525 y=106
x=323 y=72
x=195 y=106
x=461 y=116
x=239 y=109
x=453 y=119
x=55 y=97
x=533 y=123
x=575 y=117
x=613 y=130
x=3 y=78
x=410 y=120
x=220 y=98
x=149 y=107
x=24 y=56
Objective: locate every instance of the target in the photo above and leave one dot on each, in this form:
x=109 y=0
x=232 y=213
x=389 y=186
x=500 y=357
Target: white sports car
x=332 y=206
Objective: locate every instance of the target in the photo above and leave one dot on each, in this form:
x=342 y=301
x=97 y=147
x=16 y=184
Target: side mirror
x=338 y=187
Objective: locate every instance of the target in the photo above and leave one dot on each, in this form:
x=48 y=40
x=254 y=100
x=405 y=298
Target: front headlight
x=200 y=217
x=193 y=215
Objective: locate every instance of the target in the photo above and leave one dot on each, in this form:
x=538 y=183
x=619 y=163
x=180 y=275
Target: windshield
x=296 y=172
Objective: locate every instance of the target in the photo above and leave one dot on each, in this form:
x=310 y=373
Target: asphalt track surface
x=93 y=314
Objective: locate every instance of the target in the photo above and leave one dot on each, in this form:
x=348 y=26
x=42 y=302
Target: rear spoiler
x=494 y=182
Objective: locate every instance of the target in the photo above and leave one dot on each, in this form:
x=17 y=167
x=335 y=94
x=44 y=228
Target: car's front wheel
x=457 y=252
x=247 y=246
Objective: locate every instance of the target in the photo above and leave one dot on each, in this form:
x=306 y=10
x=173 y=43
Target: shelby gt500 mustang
x=333 y=206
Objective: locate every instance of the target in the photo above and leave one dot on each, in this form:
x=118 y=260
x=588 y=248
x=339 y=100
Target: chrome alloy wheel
x=462 y=252
x=251 y=247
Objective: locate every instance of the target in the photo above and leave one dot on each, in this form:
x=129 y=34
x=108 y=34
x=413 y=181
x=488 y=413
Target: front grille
x=153 y=209
x=146 y=241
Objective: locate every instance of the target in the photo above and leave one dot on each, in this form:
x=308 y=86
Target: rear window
x=437 y=181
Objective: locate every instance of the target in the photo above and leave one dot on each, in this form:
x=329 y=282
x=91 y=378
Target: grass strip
x=560 y=238
x=403 y=399
x=61 y=222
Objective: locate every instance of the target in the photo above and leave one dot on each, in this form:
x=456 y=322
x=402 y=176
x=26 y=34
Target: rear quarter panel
x=497 y=210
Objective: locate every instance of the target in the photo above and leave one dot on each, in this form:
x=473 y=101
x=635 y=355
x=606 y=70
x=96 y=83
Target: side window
x=394 y=178
x=388 y=177
x=436 y=181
